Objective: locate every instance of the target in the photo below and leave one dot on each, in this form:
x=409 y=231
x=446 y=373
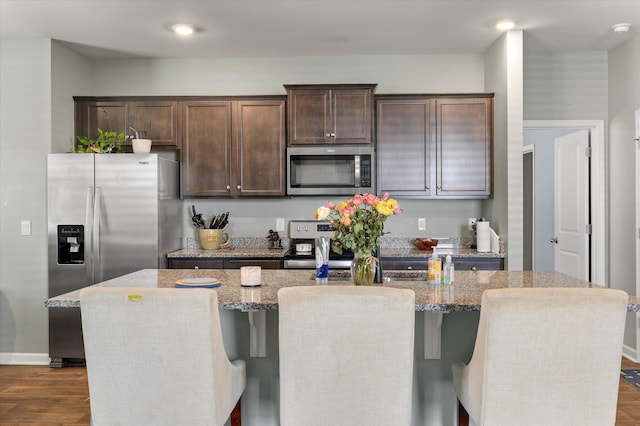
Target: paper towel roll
x=483 y=237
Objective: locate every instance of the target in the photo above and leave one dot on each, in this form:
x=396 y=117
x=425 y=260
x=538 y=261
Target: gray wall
x=624 y=99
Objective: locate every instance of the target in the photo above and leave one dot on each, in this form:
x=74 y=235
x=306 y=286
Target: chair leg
x=463 y=416
x=236 y=415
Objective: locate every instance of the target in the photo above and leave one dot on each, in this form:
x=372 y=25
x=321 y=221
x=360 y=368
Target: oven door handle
x=356 y=170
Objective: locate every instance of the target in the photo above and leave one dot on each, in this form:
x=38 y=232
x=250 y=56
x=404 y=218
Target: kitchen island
x=464 y=295
x=445 y=328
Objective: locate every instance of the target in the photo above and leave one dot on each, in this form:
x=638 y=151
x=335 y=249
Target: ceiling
x=104 y=29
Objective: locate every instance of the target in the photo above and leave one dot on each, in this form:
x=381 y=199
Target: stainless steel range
x=301 y=255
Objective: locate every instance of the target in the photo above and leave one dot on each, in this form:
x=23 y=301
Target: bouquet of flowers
x=359 y=224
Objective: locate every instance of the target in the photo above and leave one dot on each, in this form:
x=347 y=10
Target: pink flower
x=330 y=204
x=385 y=196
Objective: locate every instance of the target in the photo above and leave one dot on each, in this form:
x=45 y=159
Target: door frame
x=530 y=149
x=637 y=141
x=598 y=180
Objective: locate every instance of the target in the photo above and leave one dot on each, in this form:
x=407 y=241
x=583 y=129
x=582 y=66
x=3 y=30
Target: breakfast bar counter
x=446 y=323
x=464 y=295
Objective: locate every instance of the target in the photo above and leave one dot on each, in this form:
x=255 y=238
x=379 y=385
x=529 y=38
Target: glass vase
x=363 y=268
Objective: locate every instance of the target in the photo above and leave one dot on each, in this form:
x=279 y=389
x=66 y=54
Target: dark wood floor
x=37 y=395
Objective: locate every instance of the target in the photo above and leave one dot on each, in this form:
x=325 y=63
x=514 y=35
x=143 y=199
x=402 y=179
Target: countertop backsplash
x=387 y=242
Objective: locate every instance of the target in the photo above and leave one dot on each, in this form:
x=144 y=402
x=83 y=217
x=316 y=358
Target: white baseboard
x=13 y=358
x=630 y=353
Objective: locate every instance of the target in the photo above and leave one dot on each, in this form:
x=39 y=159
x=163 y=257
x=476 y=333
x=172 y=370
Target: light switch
x=280 y=224
x=25 y=227
x=422 y=224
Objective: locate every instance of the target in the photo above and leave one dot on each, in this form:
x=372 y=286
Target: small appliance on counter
x=301 y=254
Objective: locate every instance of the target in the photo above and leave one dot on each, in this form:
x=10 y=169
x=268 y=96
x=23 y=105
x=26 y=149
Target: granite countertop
x=244 y=252
x=464 y=295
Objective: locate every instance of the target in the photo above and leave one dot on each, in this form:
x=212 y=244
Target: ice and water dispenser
x=70 y=244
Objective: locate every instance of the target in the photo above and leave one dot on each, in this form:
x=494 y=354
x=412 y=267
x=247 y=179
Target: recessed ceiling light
x=505 y=25
x=183 y=29
x=621 y=28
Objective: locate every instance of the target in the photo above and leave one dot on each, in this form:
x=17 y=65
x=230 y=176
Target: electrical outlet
x=280 y=224
x=422 y=224
x=472 y=223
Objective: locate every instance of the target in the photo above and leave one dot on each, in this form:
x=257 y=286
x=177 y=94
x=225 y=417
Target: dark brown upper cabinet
x=330 y=114
x=435 y=147
x=158 y=118
x=91 y=115
x=233 y=148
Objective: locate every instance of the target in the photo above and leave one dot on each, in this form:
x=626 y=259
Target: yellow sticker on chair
x=134 y=297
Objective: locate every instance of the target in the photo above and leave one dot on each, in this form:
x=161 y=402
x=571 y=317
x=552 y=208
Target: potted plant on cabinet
x=107 y=141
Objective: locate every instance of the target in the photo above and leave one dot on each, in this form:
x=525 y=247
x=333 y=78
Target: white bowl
x=141 y=146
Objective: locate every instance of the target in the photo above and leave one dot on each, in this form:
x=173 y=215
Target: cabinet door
x=108 y=116
x=259 y=146
x=464 y=147
x=158 y=119
x=351 y=114
x=309 y=116
x=206 y=148
x=404 y=146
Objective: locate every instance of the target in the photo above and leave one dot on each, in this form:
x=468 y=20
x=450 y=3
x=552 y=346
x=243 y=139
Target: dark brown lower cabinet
x=222 y=263
x=460 y=263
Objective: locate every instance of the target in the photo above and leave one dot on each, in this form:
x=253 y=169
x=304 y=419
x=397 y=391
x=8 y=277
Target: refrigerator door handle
x=89 y=236
x=96 y=235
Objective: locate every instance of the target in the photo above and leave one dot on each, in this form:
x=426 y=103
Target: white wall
x=257 y=76
x=37 y=80
x=623 y=100
x=565 y=86
x=503 y=76
x=25 y=139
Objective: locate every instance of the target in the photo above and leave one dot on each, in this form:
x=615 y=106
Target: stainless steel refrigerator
x=108 y=215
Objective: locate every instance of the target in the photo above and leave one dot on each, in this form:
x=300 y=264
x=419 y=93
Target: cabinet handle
x=238 y=187
x=333 y=135
x=328 y=135
x=228 y=187
x=426 y=187
x=409 y=267
x=438 y=187
x=196 y=267
x=473 y=268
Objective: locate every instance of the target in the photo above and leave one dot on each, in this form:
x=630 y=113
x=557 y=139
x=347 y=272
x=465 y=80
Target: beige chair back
x=545 y=357
x=346 y=355
x=156 y=357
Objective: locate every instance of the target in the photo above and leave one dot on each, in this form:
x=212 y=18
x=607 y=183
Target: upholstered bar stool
x=545 y=356
x=156 y=357
x=346 y=355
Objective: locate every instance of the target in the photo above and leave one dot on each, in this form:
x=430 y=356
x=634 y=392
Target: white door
x=571 y=239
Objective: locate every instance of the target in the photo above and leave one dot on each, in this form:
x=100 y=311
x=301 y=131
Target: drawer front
x=192 y=263
x=263 y=263
x=460 y=263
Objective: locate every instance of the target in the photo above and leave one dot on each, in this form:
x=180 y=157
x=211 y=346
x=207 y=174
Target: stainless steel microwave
x=330 y=170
